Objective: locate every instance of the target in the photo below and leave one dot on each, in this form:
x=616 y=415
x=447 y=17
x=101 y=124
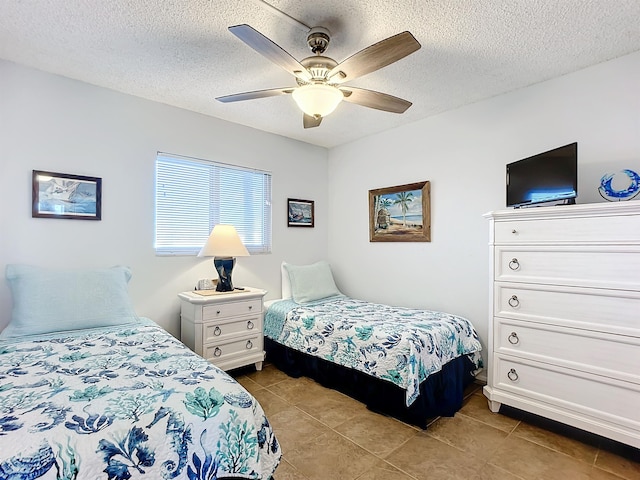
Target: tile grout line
x=376 y=456
x=485 y=462
x=510 y=434
x=390 y=452
x=426 y=430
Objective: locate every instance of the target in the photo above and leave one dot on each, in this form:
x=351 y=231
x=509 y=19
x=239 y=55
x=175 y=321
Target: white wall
x=56 y=124
x=52 y=123
x=463 y=154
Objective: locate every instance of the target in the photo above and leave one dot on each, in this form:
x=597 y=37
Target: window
x=192 y=196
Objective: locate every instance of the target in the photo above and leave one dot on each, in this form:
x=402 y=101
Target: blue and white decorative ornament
x=618 y=186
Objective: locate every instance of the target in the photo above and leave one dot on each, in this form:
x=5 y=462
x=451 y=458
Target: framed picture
x=60 y=195
x=401 y=213
x=300 y=212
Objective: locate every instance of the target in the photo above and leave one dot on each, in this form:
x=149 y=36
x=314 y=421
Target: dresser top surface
x=631 y=207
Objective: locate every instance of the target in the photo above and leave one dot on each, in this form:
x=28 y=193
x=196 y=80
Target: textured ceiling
x=181 y=53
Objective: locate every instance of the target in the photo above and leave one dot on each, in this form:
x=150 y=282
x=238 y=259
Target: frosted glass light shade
x=223 y=242
x=317 y=99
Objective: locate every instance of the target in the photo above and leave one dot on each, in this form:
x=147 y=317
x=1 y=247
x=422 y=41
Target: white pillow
x=286 y=283
x=311 y=282
x=51 y=300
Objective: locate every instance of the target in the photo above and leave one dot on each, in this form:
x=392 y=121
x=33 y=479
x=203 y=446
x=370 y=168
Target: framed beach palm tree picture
x=400 y=213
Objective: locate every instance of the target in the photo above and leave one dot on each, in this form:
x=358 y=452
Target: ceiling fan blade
x=238 y=97
x=374 y=57
x=310 y=122
x=377 y=100
x=269 y=49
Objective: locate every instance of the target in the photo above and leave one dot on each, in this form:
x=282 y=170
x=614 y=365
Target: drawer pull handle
x=513 y=375
x=249 y=325
x=250 y=307
x=514 y=301
x=514 y=264
x=513 y=338
x=217 y=352
x=217 y=331
x=217 y=312
x=249 y=345
x=514 y=231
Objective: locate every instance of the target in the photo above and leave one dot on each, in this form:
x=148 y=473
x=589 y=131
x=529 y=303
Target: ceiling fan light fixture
x=317 y=99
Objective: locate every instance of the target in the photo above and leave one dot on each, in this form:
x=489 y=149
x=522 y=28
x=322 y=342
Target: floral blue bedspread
x=123 y=403
x=400 y=345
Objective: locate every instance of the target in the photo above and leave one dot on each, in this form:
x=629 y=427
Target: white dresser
x=224 y=328
x=564 y=334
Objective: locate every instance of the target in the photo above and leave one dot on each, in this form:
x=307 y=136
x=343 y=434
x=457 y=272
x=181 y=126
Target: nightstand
x=225 y=328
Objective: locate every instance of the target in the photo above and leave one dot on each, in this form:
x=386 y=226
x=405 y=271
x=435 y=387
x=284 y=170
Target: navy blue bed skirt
x=441 y=394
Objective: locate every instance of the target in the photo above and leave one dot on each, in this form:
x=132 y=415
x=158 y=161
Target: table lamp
x=224 y=245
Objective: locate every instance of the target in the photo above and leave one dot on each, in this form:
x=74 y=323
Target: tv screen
x=546 y=177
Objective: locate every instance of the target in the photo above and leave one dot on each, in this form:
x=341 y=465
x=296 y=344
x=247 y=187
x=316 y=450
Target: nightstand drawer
x=216 y=330
x=222 y=351
x=231 y=309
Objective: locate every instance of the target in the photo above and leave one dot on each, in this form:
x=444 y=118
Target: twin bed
x=89 y=390
x=407 y=363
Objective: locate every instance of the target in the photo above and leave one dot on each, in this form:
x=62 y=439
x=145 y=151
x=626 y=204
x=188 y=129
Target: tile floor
x=329 y=436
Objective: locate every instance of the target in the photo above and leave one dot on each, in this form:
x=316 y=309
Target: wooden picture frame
x=300 y=213
x=62 y=195
x=401 y=213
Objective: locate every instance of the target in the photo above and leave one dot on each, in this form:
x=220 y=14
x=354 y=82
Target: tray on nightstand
x=208 y=293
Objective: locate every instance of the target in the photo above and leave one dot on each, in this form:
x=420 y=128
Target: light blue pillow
x=50 y=300
x=311 y=282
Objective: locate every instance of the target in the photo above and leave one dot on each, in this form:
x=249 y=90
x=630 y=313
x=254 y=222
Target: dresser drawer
x=618 y=229
x=593 y=395
x=601 y=267
x=613 y=311
x=215 y=330
x=231 y=309
x=223 y=351
x=616 y=356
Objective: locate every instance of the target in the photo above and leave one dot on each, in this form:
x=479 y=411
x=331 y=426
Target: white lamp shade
x=223 y=242
x=317 y=99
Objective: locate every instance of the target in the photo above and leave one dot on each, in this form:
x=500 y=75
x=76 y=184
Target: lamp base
x=224 y=267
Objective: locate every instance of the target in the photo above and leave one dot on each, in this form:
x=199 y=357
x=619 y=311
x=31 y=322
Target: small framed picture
x=300 y=212
x=61 y=195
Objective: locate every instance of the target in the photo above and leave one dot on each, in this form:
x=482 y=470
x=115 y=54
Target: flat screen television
x=543 y=178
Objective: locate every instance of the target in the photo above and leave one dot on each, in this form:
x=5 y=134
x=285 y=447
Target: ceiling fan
x=320 y=79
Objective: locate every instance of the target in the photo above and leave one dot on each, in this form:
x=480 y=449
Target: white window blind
x=192 y=196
